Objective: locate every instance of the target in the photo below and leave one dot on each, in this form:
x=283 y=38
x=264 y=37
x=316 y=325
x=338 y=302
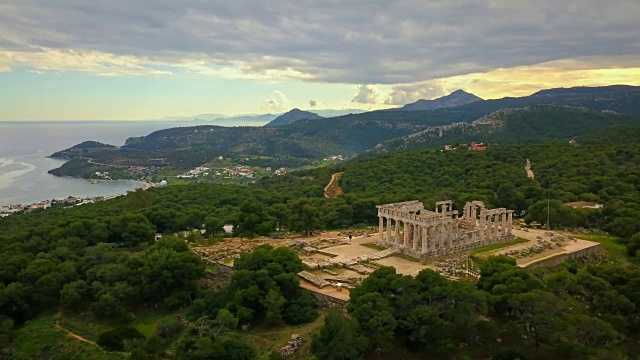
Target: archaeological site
x=423 y=233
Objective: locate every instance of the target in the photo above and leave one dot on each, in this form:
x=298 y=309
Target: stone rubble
x=294 y=343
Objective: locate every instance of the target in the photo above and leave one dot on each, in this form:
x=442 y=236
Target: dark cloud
x=358 y=42
x=312 y=103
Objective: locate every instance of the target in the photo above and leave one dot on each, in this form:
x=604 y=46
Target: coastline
x=145 y=185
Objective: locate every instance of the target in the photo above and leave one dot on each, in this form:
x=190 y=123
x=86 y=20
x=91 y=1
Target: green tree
x=633 y=246
x=539 y=311
x=213 y=225
x=304 y=216
x=225 y=321
x=338 y=339
x=274 y=303
x=138 y=199
x=253 y=220
x=131 y=229
x=74 y=293
x=281 y=213
x=375 y=317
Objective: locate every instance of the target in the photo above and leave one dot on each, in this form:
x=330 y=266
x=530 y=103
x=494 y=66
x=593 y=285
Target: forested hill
x=292 y=116
x=530 y=124
x=623 y=99
x=188 y=147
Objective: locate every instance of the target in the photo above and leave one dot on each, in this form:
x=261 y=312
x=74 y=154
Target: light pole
x=548 y=205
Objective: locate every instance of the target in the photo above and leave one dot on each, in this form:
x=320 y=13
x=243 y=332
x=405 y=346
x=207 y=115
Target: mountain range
x=249 y=119
x=546 y=115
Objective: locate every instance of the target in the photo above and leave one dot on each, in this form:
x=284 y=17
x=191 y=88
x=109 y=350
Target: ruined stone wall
x=326 y=301
x=558 y=260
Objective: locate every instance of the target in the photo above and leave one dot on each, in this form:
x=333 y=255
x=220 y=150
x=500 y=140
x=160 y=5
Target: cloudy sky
x=136 y=59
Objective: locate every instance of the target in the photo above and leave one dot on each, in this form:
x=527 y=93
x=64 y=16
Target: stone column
x=405 y=230
x=425 y=244
x=481 y=227
x=440 y=236
x=380 y=227
x=432 y=238
x=505 y=215
x=388 y=230
x=416 y=236
x=509 y=222
x=495 y=225
x=488 y=229
x=447 y=230
x=397 y=234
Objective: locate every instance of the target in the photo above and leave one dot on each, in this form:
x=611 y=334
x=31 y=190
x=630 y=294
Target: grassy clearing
x=266 y=340
x=39 y=339
x=610 y=243
x=85 y=325
x=374 y=246
x=497 y=246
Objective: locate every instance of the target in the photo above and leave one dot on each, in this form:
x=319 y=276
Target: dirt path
x=530 y=173
x=69 y=332
x=75 y=336
x=332 y=190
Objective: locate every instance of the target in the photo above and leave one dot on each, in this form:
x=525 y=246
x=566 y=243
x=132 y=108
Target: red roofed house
x=476 y=147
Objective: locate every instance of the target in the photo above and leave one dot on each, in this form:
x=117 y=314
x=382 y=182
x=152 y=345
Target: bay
x=24 y=147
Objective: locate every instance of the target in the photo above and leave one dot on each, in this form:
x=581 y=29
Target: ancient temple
x=423 y=233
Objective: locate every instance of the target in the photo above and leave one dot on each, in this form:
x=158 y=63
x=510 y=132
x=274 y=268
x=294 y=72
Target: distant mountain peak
x=292 y=116
x=455 y=99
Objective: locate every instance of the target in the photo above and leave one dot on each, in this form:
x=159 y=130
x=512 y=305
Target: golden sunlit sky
x=135 y=59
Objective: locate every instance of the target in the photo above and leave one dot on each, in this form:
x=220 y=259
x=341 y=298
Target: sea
x=25 y=145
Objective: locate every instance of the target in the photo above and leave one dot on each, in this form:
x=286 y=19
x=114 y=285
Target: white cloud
x=367 y=94
x=405 y=94
x=276 y=102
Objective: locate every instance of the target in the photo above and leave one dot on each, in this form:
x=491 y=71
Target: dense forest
x=526 y=125
x=102 y=259
x=574 y=312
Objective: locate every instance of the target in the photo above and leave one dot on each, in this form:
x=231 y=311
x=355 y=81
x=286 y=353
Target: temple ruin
x=423 y=233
